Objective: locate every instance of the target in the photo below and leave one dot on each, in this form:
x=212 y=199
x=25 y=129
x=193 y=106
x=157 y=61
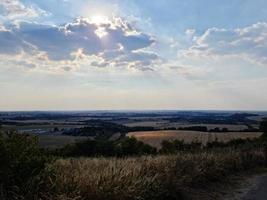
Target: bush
x=95 y=148
x=263 y=128
x=171 y=147
x=133 y=147
x=21 y=161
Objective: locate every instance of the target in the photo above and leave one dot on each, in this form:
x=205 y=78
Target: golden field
x=154 y=138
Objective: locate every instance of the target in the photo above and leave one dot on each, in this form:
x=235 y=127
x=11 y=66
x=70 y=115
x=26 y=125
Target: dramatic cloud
x=10 y=43
x=248 y=43
x=13 y=9
x=115 y=42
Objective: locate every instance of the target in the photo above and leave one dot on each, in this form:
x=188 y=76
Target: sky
x=133 y=55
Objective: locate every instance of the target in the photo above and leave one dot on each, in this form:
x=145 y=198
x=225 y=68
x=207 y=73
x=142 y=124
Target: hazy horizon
x=136 y=110
x=133 y=55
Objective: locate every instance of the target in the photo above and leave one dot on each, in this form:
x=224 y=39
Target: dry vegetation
x=154 y=138
x=160 y=177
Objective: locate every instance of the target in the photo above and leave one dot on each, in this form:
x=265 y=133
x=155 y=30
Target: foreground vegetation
x=160 y=177
x=28 y=172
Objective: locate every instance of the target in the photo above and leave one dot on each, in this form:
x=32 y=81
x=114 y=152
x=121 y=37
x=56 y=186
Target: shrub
x=120 y=148
x=133 y=147
x=171 y=147
x=20 y=162
x=263 y=128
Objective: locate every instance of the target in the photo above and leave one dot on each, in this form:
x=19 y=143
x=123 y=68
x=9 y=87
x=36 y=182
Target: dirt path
x=259 y=191
x=255 y=188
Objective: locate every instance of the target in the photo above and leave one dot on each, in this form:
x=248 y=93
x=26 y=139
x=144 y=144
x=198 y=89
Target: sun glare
x=99 y=19
x=100 y=32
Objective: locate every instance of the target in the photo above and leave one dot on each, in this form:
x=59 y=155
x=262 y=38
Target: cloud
x=2 y=27
x=99 y=64
x=15 y=9
x=59 y=42
x=248 y=43
x=26 y=64
x=190 y=32
x=10 y=43
x=120 y=45
x=141 y=60
x=190 y=72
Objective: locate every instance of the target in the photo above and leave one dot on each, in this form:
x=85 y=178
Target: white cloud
x=249 y=43
x=15 y=9
x=2 y=27
x=190 y=32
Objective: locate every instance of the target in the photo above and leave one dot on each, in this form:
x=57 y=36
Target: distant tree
x=101 y=147
x=263 y=128
x=225 y=130
x=217 y=129
x=195 y=128
x=89 y=148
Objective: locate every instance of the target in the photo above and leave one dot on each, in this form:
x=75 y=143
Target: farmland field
x=165 y=124
x=155 y=138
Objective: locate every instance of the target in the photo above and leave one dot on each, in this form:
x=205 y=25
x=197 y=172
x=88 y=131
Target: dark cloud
x=11 y=43
x=60 y=42
x=120 y=42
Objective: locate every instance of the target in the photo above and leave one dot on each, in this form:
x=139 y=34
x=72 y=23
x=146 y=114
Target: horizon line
x=137 y=110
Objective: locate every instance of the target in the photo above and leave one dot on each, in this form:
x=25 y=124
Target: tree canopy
x=263 y=128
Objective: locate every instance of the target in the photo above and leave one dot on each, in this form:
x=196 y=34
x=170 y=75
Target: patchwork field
x=165 y=124
x=155 y=138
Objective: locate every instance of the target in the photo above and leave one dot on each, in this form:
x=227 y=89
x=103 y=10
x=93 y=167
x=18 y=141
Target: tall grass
x=159 y=177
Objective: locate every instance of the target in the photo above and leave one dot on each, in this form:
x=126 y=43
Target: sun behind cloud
x=99 y=19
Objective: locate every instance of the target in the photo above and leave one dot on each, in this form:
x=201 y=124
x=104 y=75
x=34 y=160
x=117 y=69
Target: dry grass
x=160 y=177
x=154 y=138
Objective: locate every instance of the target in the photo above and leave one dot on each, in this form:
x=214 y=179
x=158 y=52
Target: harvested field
x=155 y=123
x=166 y=124
x=155 y=138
